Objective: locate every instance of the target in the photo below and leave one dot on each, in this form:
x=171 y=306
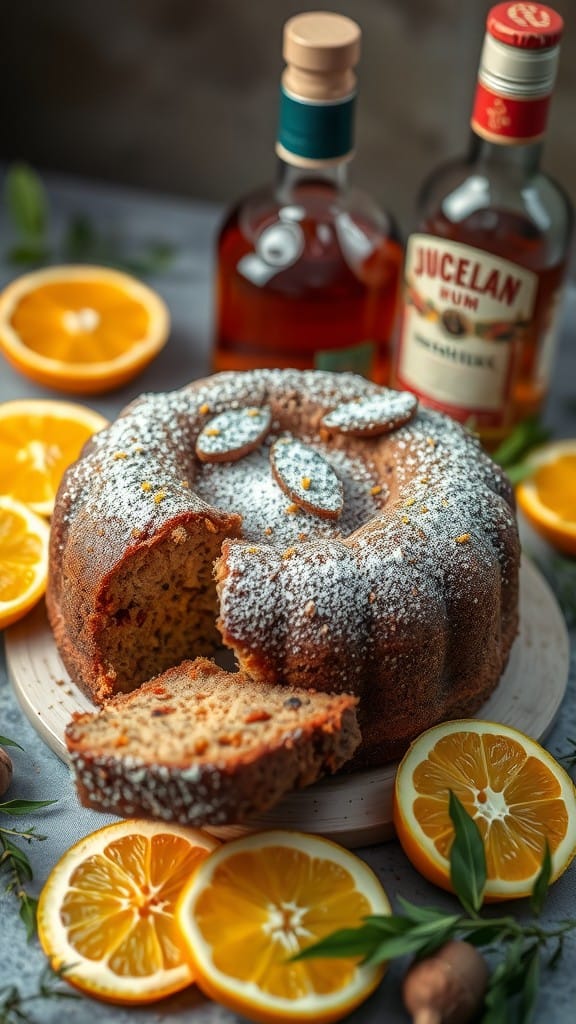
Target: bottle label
x=506 y=119
x=315 y=131
x=355 y=359
x=465 y=314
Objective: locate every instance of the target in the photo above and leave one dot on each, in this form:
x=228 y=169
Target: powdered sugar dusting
x=233 y=433
x=373 y=415
x=410 y=595
x=306 y=477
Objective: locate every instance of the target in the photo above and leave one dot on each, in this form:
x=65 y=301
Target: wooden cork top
x=321 y=50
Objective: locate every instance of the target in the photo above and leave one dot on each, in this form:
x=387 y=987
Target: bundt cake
x=200 y=746
x=328 y=531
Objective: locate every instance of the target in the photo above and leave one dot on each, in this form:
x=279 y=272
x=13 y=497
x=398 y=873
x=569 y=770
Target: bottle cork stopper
x=321 y=50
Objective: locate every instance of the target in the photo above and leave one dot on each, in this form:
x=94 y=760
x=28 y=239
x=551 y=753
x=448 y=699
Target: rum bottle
x=485 y=267
x=308 y=269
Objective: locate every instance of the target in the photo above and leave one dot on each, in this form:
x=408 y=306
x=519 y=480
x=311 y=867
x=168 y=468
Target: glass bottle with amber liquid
x=484 y=270
x=308 y=269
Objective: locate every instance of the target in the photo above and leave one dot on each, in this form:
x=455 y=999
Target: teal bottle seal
x=316 y=129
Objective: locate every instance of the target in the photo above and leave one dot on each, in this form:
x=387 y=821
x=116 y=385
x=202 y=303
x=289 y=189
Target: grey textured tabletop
x=190 y=227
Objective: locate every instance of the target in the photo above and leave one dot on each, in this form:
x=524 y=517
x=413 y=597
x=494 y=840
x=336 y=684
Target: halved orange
x=256 y=902
x=106 y=912
x=81 y=329
x=39 y=438
x=515 y=791
x=24 y=539
x=547 y=496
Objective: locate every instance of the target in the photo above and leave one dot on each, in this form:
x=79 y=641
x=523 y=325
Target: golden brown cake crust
x=408 y=599
x=201 y=746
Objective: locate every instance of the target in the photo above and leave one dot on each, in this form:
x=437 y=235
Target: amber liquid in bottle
x=307 y=277
x=497 y=200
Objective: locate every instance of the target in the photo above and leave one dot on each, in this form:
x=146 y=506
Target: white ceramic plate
x=356 y=810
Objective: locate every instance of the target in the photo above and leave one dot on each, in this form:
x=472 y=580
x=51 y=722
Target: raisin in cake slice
x=201 y=746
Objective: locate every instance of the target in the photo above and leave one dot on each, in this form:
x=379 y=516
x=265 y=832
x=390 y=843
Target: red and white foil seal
x=517 y=72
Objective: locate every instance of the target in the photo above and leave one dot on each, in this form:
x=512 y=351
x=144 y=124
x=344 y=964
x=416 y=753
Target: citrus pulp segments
x=93 y=975
x=247 y=996
x=39 y=438
x=419 y=846
x=558 y=460
x=24 y=540
x=82 y=377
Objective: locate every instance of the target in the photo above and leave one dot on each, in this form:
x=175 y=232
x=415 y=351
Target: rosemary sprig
x=14 y=1007
x=422 y=930
x=14 y=863
x=81 y=241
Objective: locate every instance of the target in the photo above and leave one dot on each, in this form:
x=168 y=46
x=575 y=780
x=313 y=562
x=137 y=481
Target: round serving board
x=354 y=809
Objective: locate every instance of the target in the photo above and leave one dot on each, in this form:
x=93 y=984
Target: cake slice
x=201 y=746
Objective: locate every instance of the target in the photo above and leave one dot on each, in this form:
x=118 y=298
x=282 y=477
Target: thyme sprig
x=14 y=863
x=420 y=931
x=14 y=1006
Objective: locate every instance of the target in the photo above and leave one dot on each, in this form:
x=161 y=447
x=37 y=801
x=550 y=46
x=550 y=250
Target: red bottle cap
x=526 y=26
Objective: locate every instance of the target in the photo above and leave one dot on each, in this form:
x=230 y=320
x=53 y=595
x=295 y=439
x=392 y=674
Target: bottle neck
x=289 y=177
x=524 y=158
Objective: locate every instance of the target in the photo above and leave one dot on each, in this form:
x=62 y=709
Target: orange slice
x=81 y=329
x=38 y=440
x=260 y=899
x=107 y=910
x=518 y=795
x=548 y=496
x=24 y=539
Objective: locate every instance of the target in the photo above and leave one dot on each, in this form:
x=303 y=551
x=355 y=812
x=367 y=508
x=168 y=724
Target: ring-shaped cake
x=330 y=533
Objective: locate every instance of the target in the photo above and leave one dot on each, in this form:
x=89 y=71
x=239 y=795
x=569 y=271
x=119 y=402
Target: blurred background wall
x=180 y=96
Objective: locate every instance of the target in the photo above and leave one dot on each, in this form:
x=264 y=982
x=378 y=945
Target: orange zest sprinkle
x=119 y=455
x=146 y=485
x=463 y=538
x=409 y=502
x=253 y=412
x=291 y=510
x=159 y=496
x=204 y=409
x=306 y=481
x=288 y=553
x=377 y=489
x=258 y=715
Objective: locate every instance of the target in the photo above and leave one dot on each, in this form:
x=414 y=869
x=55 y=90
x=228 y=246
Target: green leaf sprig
x=14 y=863
x=29 y=211
x=421 y=931
x=512 y=453
x=14 y=1006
